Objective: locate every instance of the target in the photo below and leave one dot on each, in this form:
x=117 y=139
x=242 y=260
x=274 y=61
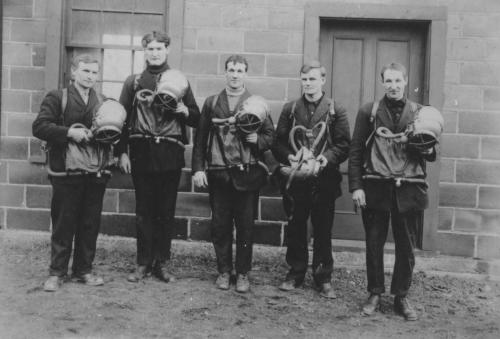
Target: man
x=233 y=174
x=155 y=135
x=77 y=191
x=315 y=195
x=378 y=159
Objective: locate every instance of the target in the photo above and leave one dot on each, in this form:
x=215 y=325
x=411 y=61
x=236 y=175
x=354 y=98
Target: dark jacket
x=244 y=180
x=380 y=194
x=50 y=124
x=338 y=138
x=146 y=155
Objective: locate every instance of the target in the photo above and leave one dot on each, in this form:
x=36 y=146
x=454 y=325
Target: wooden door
x=353 y=52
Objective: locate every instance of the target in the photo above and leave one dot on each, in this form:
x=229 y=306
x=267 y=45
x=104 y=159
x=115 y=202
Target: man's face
x=394 y=84
x=156 y=53
x=312 y=82
x=86 y=74
x=235 y=75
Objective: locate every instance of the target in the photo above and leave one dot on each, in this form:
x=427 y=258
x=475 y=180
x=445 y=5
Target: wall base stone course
x=488 y=247
x=455 y=244
x=28 y=219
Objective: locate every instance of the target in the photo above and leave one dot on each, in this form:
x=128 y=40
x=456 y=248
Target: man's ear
x=168 y=49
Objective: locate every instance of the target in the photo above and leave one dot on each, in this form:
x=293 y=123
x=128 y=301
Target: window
x=111 y=30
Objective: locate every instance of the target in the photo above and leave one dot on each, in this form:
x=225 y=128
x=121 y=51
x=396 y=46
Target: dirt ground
x=191 y=307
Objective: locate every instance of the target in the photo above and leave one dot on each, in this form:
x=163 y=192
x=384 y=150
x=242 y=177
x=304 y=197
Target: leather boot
x=372 y=304
x=403 y=307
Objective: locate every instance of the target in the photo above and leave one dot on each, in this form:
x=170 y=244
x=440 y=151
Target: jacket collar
x=385 y=116
x=222 y=105
x=76 y=97
x=320 y=111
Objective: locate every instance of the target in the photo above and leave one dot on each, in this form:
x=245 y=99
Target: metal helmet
x=108 y=121
x=172 y=86
x=427 y=128
x=251 y=114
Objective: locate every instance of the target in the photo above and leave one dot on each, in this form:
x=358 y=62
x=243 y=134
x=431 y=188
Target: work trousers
x=155 y=197
x=76 y=213
x=230 y=205
x=318 y=203
x=404 y=230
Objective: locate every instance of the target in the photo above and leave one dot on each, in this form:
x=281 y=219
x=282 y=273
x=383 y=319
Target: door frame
x=435 y=17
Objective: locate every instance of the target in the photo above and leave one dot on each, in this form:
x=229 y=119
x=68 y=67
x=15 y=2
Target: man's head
x=84 y=70
x=312 y=77
x=394 y=79
x=156 y=48
x=236 y=71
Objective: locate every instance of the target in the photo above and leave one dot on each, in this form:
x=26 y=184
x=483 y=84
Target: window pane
x=121 y=5
x=87 y=4
x=138 y=62
x=155 y=6
x=85 y=27
x=116 y=29
x=117 y=64
x=145 y=23
x=112 y=89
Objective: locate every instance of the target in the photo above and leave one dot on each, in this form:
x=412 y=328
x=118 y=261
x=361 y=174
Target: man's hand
x=322 y=161
x=182 y=109
x=251 y=138
x=79 y=135
x=200 y=179
x=125 y=163
x=359 y=198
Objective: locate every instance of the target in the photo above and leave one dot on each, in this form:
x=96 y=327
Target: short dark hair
x=155 y=35
x=235 y=58
x=85 y=58
x=308 y=66
x=396 y=66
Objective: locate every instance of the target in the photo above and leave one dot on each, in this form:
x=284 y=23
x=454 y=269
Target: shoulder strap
x=214 y=101
x=137 y=77
x=292 y=113
x=64 y=102
x=374 y=111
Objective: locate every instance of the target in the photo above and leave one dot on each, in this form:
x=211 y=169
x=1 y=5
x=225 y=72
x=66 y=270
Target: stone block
x=3 y=171
x=459 y=146
x=479 y=123
x=40 y=8
x=189 y=38
x=276 y=107
x=253 y=18
x=272 y=209
x=455 y=244
x=286 y=18
x=492 y=46
x=202 y=15
x=200 y=63
x=200 y=230
x=294 y=89
x=296 y=43
x=454 y=25
x=16 y=54
x=475 y=25
x=450 y=121
x=28 y=31
x=5 y=79
x=15 y=101
x=36 y=100
x=271 y=89
x=447 y=172
x=462 y=49
x=266 y=42
x=490 y=148
x=11 y=195
x=38 y=57
x=27 y=78
x=6 y=29
x=466 y=220
x=126 y=201
x=256 y=63
x=38 y=196
x=480 y=73
x=283 y=65
x=267 y=233
x=209 y=86
x=23 y=172
x=192 y=204
x=110 y=201
x=463 y=97
x=220 y=40
x=456 y=195
x=445 y=219
x=118 y=224
x=490 y=221
x=452 y=73
x=26 y=219
x=489 y=197
x=180 y=228
x=492 y=97
x=14 y=148
x=185 y=184
x=19 y=125
x=18 y=8
x=487 y=247
x=120 y=180
x=478 y=172
x=2 y=218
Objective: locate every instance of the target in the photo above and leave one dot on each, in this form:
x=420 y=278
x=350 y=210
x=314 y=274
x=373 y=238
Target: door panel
x=354 y=51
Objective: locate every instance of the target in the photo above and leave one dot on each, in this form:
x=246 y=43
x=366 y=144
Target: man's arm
x=48 y=124
x=340 y=135
x=362 y=130
x=281 y=149
x=126 y=99
x=201 y=137
x=193 y=116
